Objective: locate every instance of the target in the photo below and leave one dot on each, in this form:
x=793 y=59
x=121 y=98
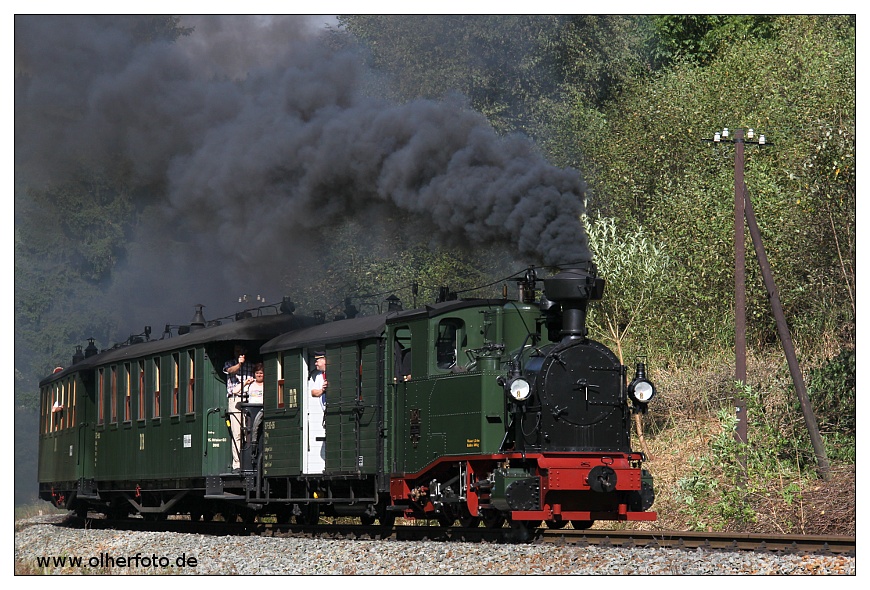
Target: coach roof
x=367 y=326
x=255 y=328
x=329 y=333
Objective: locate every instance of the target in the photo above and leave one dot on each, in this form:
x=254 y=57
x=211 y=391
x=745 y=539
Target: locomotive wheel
x=582 y=525
x=492 y=519
x=154 y=516
x=116 y=513
x=367 y=520
x=521 y=530
x=445 y=520
x=310 y=514
x=557 y=524
x=387 y=521
x=195 y=515
x=466 y=520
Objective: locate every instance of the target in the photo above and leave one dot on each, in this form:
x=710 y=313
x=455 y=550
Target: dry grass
x=682 y=423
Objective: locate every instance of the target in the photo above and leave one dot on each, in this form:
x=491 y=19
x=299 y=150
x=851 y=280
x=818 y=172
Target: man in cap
x=317 y=378
x=317 y=409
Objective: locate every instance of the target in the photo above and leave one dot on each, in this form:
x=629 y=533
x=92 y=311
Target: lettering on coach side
x=472 y=443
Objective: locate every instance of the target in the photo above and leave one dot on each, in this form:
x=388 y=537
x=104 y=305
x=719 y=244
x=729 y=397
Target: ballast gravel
x=42 y=548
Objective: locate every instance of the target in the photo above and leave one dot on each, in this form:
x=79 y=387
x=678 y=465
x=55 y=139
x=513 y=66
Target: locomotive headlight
x=520 y=389
x=641 y=389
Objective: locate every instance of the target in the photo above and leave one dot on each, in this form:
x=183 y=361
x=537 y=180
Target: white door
x=313 y=431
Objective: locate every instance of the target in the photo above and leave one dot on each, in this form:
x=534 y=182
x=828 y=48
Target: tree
x=513 y=69
x=636 y=269
x=697 y=38
x=367 y=266
x=646 y=164
x=72 y=219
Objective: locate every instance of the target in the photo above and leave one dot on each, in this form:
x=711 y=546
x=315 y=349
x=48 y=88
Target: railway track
x=816 y=544
x=685 y=540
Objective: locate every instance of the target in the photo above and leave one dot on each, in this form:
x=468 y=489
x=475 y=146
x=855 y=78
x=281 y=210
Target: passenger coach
x=141 y=427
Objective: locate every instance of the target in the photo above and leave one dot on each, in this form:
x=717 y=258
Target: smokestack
x=91 y=350
x=198 y=320
x=573 y=288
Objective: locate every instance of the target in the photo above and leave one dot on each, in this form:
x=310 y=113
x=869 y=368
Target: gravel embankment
x=128 y=553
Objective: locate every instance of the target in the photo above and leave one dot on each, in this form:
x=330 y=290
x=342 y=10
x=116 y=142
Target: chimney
x=573 y=288
x=198 y=321
x=91 y=350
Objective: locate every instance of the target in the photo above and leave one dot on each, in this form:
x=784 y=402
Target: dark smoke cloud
x=251 y=136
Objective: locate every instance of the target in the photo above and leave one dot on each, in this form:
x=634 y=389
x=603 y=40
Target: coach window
x=141 y=391
x=191 y=380
x=54 y=417
x=48 y=397
x=155 y=384
x=175 y=379
x=49 y=405
x=72 y=401
x=113 y=392
x=448 y=342
x=57 y=407
x=101 y=403
x=43 y=410
x=64 y=405
x=128 y=402
x=279 y=374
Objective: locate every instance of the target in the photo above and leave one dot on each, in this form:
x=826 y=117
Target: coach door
x=313 y=424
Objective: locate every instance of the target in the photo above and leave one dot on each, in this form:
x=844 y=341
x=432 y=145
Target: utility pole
x=739 y=262
x=739 y=285
x=739 y=141
x=743 y=211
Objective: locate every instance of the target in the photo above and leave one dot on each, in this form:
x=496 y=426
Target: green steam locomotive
x=465 y=410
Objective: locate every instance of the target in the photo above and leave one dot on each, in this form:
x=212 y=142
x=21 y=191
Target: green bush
x=831 y=388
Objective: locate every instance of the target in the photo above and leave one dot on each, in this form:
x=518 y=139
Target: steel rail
x=685 y=540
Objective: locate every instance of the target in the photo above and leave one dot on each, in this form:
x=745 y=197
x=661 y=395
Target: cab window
x=448 y=342
x=402 y=359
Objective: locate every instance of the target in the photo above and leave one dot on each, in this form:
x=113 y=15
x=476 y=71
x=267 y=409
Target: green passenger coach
x=140 y=428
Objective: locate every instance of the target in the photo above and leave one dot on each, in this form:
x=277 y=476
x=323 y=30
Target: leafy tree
x=832 y=389
x=697 y=38
x=599 y=54
x=647 y=164
x=351 y=265
x=71 y=230
x=513 y=69
x=635 y=266
x=67 y=241
x=498 y=62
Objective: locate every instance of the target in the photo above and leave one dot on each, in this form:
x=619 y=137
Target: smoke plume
x=251 y=135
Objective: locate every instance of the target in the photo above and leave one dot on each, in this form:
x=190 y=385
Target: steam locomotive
x=468 y=410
